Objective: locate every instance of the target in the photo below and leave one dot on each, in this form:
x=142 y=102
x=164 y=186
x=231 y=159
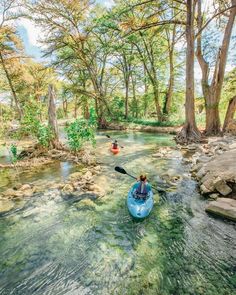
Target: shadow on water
x=57 y=245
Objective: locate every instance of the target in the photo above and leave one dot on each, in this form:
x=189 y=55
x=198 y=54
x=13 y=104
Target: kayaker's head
x=143 y=178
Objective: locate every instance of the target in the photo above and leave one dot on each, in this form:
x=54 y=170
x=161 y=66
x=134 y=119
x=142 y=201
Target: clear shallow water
x=57 y=245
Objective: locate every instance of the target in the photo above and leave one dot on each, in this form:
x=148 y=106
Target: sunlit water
x=56 y=244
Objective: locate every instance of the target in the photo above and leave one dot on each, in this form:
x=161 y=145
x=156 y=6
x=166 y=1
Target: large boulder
x=217 y=174
x=223 y=207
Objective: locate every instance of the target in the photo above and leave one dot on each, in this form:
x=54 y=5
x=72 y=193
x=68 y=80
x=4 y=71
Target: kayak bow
x=115 y=151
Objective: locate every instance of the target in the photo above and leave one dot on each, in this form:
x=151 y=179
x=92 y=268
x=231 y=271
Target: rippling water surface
x=55 y=244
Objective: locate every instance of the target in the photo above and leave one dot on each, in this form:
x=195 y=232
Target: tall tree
x=52 y=117
x=212 y=88
x=74 y=40
x=190 y=131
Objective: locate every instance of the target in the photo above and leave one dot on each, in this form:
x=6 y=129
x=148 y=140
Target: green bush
x=13 y=150
x=81 y=131
x=31 y=125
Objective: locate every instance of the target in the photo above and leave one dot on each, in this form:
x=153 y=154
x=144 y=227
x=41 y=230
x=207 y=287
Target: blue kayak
x=139 y=208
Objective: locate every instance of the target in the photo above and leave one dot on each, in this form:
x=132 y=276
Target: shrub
x=13 y=150
x=81 y=131
x=31 y=125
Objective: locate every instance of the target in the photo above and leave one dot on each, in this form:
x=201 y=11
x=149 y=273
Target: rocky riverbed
x=212 y=164
x=79 y=184
x=214 y=167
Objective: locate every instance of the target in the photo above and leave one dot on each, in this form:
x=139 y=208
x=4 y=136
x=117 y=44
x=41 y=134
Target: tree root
x=189 y=134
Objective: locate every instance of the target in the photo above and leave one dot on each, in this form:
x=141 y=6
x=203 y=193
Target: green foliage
x=81 y=131
x=31 y=125
x=117 y=107
x=6 y=116
x=13 y=150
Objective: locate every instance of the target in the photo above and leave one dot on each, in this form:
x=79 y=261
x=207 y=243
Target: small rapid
x=56 y=244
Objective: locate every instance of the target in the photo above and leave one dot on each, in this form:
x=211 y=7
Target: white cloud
x=35 y=33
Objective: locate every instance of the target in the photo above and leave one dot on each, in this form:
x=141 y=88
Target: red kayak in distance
x=115 y=151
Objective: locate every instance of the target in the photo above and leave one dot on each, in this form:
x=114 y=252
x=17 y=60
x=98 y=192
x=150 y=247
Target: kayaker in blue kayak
x=141 y=188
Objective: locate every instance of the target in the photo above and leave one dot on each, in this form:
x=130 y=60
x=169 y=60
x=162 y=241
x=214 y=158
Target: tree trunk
x=230 y=113
x=86 y=111
x=156 y=100
x=65 y=107
x=145 y=79
x=189 y=132
x=126 y=97
x=134 y=96
x=212 y=92
x=52 y=118
x=169 y=93
x=18 y=108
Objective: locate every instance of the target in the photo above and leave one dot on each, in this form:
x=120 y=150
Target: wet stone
x=6 y=205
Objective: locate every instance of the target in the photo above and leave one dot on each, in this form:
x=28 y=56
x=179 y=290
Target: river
x=55 y=245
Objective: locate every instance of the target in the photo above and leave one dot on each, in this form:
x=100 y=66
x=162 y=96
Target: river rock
x=224 y=207
x=9 y=192
x=6 y=205
x=29 y=192
x=218 y=172
x=204 y=189
x=223 y=188
x=97 y=190
x=86 y=204
x=68 y=188
x=203 y=159
x=17 y=186
x=157 y=155
x=201 y=173
x=214 y=196
x=75 y=176
x=88 y=176
x=232 y=146
x=25 y=187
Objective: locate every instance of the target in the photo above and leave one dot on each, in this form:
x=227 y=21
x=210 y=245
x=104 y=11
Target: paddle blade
x=120 y=170
x=108 y=136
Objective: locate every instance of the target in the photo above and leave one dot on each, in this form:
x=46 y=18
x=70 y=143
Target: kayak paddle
x=122 y=171
x=108 y=136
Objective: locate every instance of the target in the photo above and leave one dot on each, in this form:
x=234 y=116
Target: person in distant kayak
x=142 y=187
x=115 y=145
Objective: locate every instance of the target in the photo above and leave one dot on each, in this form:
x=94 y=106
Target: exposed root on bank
x=189 y=134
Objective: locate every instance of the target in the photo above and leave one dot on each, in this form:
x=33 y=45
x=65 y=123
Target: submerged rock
x=68 y=188
x=86 y=204
x=6 y=205
x=75 y=176
x=223 y=207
